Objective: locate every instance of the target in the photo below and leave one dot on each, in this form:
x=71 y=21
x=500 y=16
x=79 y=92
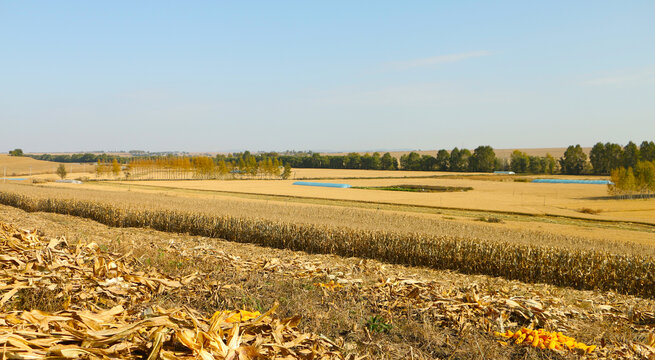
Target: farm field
x=369 y=216
x=451 y=317
x=574 y=234
x=562 y=251
x=22 y=165
x=514 y=197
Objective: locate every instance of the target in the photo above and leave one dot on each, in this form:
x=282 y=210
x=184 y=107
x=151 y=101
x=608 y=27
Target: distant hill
x=22 y=165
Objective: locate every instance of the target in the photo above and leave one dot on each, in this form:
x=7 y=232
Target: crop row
x=580 y=269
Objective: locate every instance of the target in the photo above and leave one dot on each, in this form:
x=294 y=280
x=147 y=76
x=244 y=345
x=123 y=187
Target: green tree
x=61 y=171
x=551 y=164
x=353 y=161
x=519 y=162
x=428 y=163
x=16 y=152
x=630 y=155
x=483 y=159
x=459 y=159
x=376 y=161
x=598 y=159
x=411 y=161
x=443 y=160
x=501 y=164
x=613 y=156
x=537 y=164
x=367 y=161
x=318 y=161
x=574 y=160
x=388 y=162
x=647 y=151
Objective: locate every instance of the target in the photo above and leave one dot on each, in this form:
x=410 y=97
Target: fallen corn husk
x=86 y=280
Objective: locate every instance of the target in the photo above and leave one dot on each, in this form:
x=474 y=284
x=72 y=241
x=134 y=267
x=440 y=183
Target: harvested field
x=98 y=310
x=513 y=197
x=575 y=235
x=433 y=314
x=581 y=268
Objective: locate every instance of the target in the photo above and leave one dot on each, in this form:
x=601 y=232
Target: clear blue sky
x=324 y=75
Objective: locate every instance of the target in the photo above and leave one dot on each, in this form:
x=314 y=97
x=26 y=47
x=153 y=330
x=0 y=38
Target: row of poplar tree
x=634 y=181
x=243 y=165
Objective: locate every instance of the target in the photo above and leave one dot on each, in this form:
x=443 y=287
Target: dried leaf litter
x=104 y=318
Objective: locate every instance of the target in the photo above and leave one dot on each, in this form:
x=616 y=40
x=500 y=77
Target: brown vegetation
x=433 y=314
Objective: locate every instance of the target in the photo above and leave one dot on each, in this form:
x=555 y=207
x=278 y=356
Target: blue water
x=332 y=185
x=14 y=179
x=572 y=181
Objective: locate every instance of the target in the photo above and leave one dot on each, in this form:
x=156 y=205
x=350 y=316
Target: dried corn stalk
x=86 y=279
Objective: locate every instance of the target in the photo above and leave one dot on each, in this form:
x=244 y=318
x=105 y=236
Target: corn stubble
x=104 y=315
x=581 y=269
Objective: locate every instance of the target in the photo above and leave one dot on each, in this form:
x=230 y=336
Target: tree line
x=243 y=165
x=353 y=160
x=606 y=157
x=602 y=159
x=80 y=158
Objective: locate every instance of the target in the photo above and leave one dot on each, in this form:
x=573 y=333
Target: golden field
x=528 y=256
x=22 y=165
x=515 y=197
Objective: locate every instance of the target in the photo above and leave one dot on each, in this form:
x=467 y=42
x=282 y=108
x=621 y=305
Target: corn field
x=592 y=270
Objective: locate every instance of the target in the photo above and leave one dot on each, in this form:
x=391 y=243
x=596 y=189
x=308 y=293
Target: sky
x=335 y=75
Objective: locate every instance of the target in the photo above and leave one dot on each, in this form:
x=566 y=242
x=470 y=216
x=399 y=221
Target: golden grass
x=530 y=259
x=21 y=165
